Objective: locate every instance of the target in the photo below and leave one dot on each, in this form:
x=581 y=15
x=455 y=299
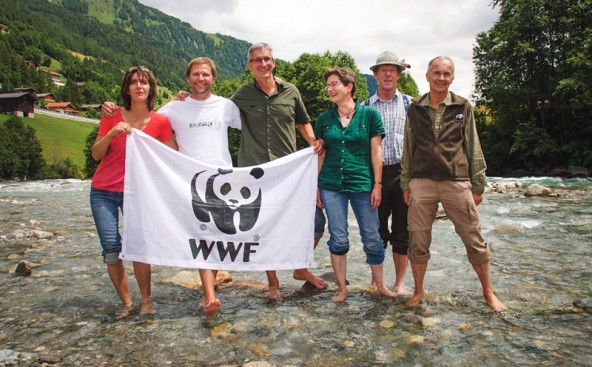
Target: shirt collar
x=375 y=98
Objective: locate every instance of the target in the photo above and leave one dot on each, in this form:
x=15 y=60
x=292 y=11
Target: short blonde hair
x=202 y=60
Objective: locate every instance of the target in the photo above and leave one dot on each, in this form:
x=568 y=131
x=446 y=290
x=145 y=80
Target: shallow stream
x=62 y=314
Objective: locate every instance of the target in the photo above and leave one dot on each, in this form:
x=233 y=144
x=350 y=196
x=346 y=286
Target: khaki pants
x=458 y=203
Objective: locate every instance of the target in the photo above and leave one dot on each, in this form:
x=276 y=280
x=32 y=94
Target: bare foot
x=401 y=291
x=273 y=294
x=124 y=311
x=387 y=292
x=305 y=274
x=340 y=297
x=146 y=307
x=495 y=303
x=212 y=308
x=415 y=300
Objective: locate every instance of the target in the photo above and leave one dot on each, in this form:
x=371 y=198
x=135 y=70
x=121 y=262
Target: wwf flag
x=181 y=212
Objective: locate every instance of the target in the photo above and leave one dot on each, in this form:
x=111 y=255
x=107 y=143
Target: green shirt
x=475 y=157
x=268 y=122
x=347 y=166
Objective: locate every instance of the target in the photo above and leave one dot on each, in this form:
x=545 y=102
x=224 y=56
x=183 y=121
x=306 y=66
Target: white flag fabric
x=182 y=212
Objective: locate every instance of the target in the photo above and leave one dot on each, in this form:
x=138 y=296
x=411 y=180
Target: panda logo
x=223 y=200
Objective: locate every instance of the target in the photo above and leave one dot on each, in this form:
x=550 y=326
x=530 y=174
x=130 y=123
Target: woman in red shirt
x=138 y=92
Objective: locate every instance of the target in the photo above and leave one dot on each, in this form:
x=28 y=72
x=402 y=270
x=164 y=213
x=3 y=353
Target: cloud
x=416 y=31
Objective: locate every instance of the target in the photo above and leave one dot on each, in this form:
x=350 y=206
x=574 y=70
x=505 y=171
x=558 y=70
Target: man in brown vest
x=443 y=162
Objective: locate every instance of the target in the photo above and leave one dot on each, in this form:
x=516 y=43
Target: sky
x=416 y=30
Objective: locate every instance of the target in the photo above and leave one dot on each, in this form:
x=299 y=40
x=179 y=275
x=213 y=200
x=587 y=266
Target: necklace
x=347 y=115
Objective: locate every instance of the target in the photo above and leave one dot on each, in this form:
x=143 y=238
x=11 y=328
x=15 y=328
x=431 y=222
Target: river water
x=62 y=314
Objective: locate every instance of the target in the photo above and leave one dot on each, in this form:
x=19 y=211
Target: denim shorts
x=105 y=206
x=336 y=207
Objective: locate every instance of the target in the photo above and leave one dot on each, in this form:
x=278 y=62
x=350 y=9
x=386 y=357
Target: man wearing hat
x=392 y=105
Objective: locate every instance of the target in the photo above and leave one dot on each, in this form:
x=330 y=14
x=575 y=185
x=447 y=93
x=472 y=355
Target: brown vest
x=443 y=158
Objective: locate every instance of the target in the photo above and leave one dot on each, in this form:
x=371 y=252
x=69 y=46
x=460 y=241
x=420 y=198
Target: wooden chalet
x=21 y=104
x=55 y=77
x=62 y=107
x=46 y=97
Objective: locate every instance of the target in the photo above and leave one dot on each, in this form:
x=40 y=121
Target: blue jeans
x=336 y=208
x=105 y=206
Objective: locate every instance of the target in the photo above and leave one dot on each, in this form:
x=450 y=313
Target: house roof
x=59 y=104
x=16 y=95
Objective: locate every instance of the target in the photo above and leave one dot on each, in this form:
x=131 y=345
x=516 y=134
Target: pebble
x=414 y=339
x=466 y=327
x=262 y=350
x=430 y=322
x=386 y=324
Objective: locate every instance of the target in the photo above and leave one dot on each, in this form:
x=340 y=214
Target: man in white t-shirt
x=201 y=121
x=201 y=125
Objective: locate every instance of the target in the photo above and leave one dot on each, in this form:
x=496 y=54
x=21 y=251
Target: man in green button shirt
x=443 y=162
x=271 y=109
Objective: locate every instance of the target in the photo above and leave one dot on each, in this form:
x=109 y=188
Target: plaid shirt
x=393 y=114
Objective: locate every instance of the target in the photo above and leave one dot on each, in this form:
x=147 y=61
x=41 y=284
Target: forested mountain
x=95 y=41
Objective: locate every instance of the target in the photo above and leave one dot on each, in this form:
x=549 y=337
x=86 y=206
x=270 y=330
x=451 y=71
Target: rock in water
x=24 y=269
x=537 y=190
x=585 y=304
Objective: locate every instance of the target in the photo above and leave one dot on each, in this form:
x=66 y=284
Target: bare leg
x=211 y=303
x=482 y=271
x=378 y=278
x=339 y=263
x=120 y=282
x=419 y=270
x=143 y=273
x=400 y=270
x=273 y=292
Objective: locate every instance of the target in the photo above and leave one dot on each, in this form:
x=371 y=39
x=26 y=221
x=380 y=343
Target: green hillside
x=59 y=138
x=91 y=44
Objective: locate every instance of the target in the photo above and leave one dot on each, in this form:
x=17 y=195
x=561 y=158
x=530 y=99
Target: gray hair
x=259 y=46
x=446 y=58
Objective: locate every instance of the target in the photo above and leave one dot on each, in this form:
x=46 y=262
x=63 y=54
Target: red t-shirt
x=111 y=171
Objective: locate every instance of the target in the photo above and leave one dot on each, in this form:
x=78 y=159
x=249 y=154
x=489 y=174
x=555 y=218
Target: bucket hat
x=389 y=58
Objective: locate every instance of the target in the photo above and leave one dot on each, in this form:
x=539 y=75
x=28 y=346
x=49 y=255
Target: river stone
x=185 y=278
x=221 y=330
x=42 y=234
x=465 y=327
x=430 y=322
x=18 y=234
x=9 y=356
x=261 y=350
x=223 y=277
x=585 y=304
x=537 y=190
x=24 y=269
x=414 y=339
x=386 y=324
x=49 y=358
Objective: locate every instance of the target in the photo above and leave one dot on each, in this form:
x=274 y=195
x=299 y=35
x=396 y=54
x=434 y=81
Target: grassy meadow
x=60 y=138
